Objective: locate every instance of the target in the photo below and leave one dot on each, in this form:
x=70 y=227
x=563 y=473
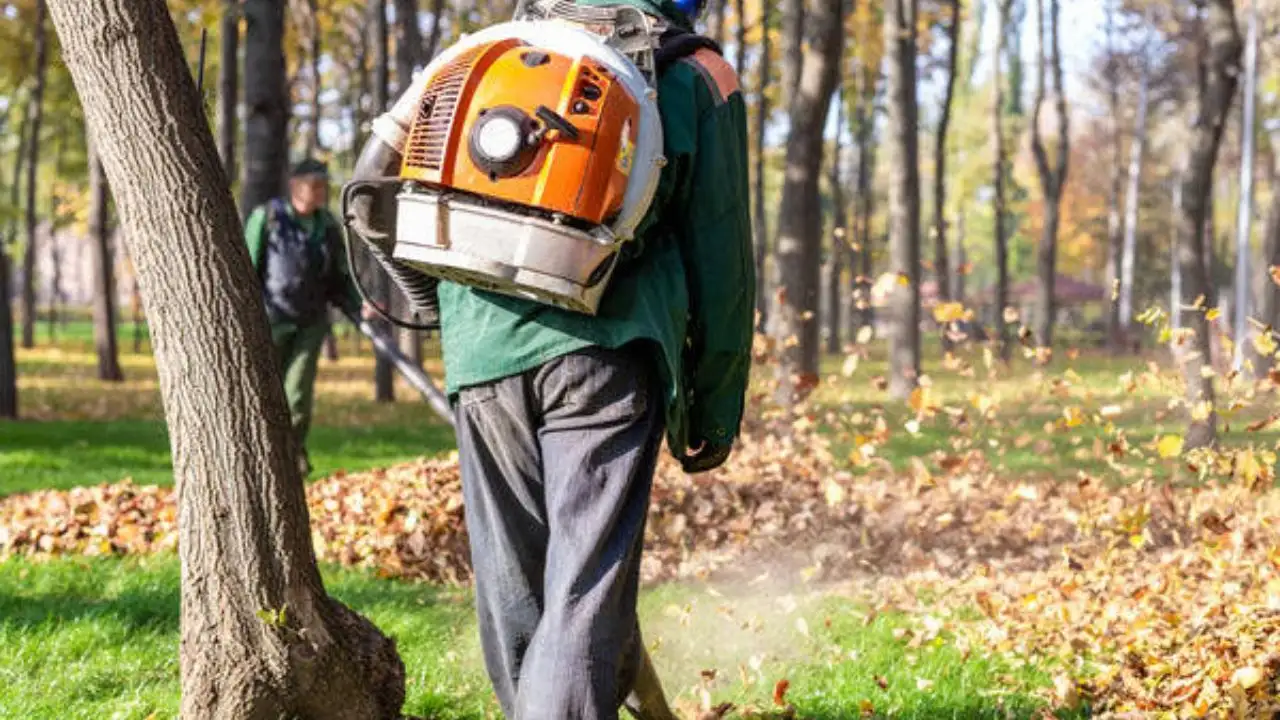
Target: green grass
x=98 y=638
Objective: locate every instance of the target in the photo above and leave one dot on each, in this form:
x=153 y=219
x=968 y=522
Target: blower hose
x=420 y=289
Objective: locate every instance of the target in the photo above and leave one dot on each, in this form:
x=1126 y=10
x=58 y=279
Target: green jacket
x=690 y=290
x=321 y=227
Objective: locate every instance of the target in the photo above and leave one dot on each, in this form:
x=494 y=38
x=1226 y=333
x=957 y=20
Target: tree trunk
x=35 y=108
x=1244 y=230
x=904 y=197
x=941 y=264
x=1269 y=298
x=229 y=85
x=1137 y=154
x=313 y=55
x=800 y=213
x=1115 y=227
x=740 y=37
x=383 y=378
x=997 y=127
x=716 y=20
x=1225 y=47
x=104 y=284
x=868 y=79
x=433 y=40
x=839 y=242
x=1053 y=177
x=759 y=218
x=1175 y=268
x=408 y=43
x=8 y=360
x=266 y=99
x=962 y=260
x=793 y=22
x=260 y=638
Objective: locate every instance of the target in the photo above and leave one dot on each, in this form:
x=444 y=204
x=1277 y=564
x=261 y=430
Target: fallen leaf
x=780 y=692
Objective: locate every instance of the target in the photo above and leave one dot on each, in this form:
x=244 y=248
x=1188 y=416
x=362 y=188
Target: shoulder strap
x=676 y=44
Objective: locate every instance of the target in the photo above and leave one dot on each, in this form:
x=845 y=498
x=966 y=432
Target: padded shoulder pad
x=676 y=44
x=721 y=78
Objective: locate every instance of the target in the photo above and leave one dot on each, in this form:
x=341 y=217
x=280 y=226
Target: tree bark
x=104 y=285
x=800 y=213
x=1244 y=228
x=904 y=197
x=1053 y=176
x=839 y=242
x=1115 y=227
x=997 y=127
x=259 y=636
x=229 y=85
x=433 y=40
x=1269 y=298
x=313 y=55
x=35 y=108
x=941 y=264
x=8 y=360
x=1137 y=155
x=1224 y=50
x=266 y=99
x=868 y=80
x=793 y=22
x=759 y=218
x=383 y=378
x=408 y=43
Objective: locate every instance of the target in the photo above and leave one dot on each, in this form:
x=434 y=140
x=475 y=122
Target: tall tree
x=941 y=264
x=904 y=196
x=759 y=217
x=314 y=51
x=1001 y=219
x=1115 y=227
x=8 y=361
x=266 y=100
x=408 y=43
x=259 y=636
x=35 y=108
x=1269 y=298
x=1223 y=72
x=1137 y=155
x=1244 y=232
x=383 y=377
x=800 y=212
x=793 y=24
x=229 y=84
x=839 y=242
x=868 y=80
x=104 y=285
x=1053 y=176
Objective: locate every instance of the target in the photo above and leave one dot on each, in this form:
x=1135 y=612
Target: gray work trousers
x=557 y=466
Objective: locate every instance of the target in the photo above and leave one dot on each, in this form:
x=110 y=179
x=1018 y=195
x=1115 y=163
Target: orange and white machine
x=529 y=154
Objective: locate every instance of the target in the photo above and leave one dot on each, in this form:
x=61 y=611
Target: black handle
x=554 y=120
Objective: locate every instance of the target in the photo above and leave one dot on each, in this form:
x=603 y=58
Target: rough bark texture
x=997 y=133
x=1223 y=65
x=904 y=196
x=104 y=284
x=383 y=378
x=1115 y=228
x=229 y=85
x=260 y=638
x=839 y=243
x=1269 y=297
x=941 y=264
x=800 y=215
x=1053 y=176
x=759 y=218
x=35 y=108
x=266 y=151
x=1129 y=249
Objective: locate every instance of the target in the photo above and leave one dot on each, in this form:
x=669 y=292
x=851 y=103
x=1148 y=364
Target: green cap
x=310 y=167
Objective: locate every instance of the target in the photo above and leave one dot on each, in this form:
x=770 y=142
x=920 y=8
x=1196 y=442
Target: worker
x=296 y=248
x=561 y=416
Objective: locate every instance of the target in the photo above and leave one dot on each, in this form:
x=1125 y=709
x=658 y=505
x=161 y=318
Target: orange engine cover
x=583 y=177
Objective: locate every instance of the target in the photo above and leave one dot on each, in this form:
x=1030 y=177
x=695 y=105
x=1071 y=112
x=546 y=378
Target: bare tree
x=35 y=109
x=260 y=637
x=266 y=102
x=1053 y=177
x=998 y=137
x=104 y=285
x=759 y=219
x=904 y=196
x=1223 y=72
x=229 y=84
x=800 y=213
x=941 y=264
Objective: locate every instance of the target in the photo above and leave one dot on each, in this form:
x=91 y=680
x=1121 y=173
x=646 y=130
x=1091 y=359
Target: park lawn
x=97 y=638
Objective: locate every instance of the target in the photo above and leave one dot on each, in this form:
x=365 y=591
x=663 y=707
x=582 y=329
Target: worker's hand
x=704 y=456
x=367 y=312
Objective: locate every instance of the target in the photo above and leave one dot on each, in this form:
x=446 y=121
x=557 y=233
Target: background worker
x=296 y=247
